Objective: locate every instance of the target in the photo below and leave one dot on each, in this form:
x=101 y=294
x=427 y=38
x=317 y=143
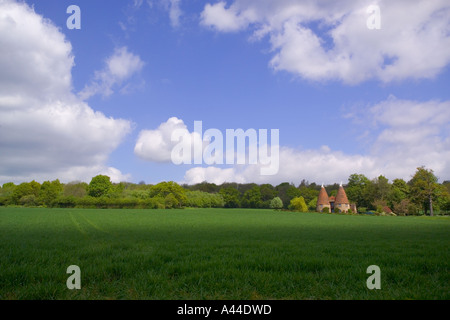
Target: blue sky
x=313 y=70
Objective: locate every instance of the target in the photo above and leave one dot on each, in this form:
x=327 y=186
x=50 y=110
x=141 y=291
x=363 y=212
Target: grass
x=220 y=254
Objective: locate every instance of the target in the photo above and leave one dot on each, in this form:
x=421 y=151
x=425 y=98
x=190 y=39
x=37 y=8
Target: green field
x=220 y=254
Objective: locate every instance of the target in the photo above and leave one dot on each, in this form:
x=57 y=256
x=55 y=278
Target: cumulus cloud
x=412 y=133
x=226 y=19
x=214 y=175
x=157 y=145
x=119 y=67
x=46 y=131
x=329 y=40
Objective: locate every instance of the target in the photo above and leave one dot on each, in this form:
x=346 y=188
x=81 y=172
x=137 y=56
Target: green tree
x=282 y=192
x=276 y=203
x=445 y=202
x=424 y=188
x=312 y=204
x=170 y=201
x=298 y=204
x=28 y=200
x=381 y=188
x=75 y=189
x=8 y=189
x=267 y=194
x=308 y=193
x=200 y=199
x=117 y=190
x=205 y=187
x=293 y=192
x=358 y=190
x=49 y=192
x=231 y=197
x=6 y=193
x=442 y=199
x=399 y=192
x=25 y=189
x=99 y=186
x=163 y=189
x=252 y=198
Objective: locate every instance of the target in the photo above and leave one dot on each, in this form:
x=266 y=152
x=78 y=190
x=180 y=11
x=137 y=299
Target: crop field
x=220 y=254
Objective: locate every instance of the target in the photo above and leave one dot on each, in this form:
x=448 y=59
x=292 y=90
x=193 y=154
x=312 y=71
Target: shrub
x=64 y=202
x=87 y=202
x=406 y=207
x=326 y=210
x=28 y=200
x=25 y=189
x=152 y=203
x=170 y=201
x=75 y=189
x=298 y=204
x=276 y=203
x=413 y=209
x=401 y=208
x=3 y=201
x=312 y=204
x=201 y=199
x=164 y=189
x=379 y=205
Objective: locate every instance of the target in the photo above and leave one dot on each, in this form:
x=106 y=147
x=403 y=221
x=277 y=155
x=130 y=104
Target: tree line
x=422 y=194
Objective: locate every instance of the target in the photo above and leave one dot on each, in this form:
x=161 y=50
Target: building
x=339 y=203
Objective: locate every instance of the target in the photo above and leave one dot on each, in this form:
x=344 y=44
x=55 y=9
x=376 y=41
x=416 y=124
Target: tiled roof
x=323 y=197
x=341 y=197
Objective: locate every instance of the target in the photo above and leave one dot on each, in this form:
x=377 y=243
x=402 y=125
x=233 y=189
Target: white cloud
x=175 y=12
x=223 y=19
x=157 y=145
x=45 y=130
x=328 y=40
x=120 y=67
x=412 y=133
x=213 y=175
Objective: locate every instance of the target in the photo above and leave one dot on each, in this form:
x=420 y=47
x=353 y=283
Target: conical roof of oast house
x=341 y=197
x=323 y=197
